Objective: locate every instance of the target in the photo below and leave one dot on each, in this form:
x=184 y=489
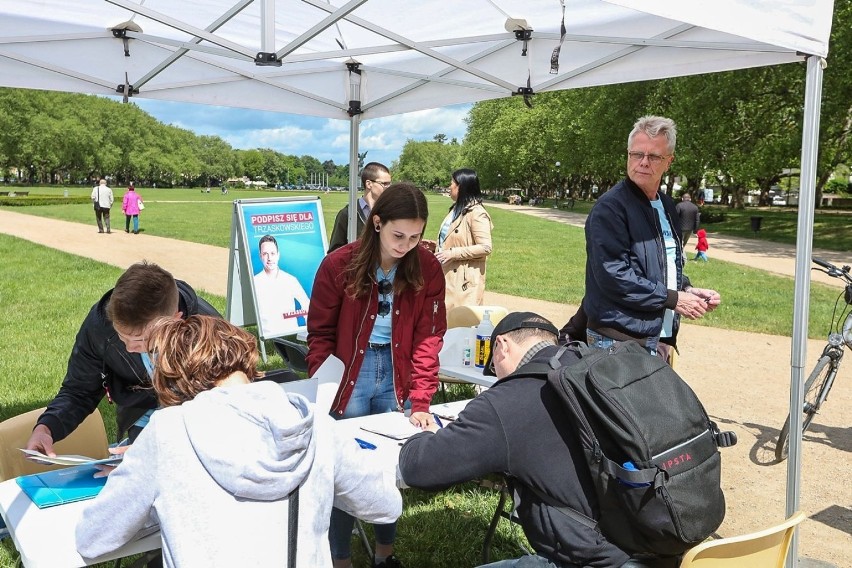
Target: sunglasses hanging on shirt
x=386 y=291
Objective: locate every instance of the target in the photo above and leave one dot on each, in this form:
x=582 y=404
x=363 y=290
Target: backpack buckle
x=725 y=439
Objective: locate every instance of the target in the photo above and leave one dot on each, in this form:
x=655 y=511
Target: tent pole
x=801 y=295
x=354 y=124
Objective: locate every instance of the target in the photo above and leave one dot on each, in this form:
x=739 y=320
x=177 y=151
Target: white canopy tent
x=365 y=59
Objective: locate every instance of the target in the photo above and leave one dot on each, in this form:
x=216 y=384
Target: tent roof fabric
x=409 y=56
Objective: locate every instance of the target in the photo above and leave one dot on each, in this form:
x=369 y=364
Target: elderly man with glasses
x=375 y=178
x=635 y=285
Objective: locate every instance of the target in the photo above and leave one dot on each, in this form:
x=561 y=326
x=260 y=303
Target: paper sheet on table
x=449 y=410
x=328 y=378
x=390 y=424
x=68 y=459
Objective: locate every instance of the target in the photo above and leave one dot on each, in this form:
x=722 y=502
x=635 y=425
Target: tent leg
x=354 y=128
x=801 y=295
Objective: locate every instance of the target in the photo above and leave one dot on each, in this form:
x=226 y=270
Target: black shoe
x=126 y=230
x=100 y=231
x=109 y=232
x=389 y=562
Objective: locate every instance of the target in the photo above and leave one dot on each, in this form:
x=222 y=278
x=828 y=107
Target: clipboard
x=62 y=486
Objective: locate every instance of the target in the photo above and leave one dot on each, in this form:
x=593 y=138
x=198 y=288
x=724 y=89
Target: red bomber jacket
x=340 y=325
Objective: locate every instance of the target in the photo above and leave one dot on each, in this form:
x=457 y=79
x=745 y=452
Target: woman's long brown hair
x=399 y=201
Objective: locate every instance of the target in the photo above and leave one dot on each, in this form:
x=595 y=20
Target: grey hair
x=654 y=126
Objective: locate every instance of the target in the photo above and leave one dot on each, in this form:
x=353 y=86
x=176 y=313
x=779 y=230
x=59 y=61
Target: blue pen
x=438 y=421
x=365 y=444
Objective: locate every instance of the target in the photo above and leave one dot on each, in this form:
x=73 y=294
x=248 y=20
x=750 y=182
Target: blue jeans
x=598 y=341
x=373 y=394
x=529 y=561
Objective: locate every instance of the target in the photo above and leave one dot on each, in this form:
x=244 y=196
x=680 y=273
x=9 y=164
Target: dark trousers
x=685 y=236
x=102 y=213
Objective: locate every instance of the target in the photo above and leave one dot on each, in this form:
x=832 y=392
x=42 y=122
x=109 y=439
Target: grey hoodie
x=215 y=473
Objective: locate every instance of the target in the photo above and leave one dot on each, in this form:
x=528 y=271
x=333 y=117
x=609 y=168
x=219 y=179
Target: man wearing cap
x=518 y=428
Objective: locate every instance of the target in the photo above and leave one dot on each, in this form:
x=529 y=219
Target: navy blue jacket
x=626 y=289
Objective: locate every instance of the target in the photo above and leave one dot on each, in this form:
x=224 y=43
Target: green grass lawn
x=45 y=294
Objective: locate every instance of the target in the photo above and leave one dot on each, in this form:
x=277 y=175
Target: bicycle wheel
x=812 y=401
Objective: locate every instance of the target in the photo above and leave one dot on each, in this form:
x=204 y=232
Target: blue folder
x=61 y=486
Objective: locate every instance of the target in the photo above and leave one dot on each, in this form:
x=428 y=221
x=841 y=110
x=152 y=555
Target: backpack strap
x=292 y=527
x=573 y=514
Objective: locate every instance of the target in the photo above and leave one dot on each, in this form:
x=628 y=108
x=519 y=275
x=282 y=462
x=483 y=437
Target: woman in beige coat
x=464 y=242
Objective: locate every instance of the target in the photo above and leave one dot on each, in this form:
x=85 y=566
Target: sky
x=323 y=138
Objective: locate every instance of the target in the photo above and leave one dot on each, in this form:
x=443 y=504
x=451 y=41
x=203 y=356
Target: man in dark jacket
x=110 y=355
x=375 y=178
x=635 y=286
x=518 y=428
x=689 y=216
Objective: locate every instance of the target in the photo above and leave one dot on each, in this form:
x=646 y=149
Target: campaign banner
x=284 y=242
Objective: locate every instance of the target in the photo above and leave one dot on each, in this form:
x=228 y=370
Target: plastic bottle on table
x=483 y=339
x=466 y=353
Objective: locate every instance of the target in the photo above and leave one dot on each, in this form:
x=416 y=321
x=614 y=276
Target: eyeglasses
x=385 y=289
x=384 y=184
x=639 y=156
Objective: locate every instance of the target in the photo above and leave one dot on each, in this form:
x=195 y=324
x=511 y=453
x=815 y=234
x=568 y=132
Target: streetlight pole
x=558 y=179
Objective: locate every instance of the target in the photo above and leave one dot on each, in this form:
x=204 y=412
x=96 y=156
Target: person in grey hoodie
x=216 y=464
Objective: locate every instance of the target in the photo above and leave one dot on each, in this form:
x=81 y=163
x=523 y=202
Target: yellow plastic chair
x=89 y=439
x=469 y=316
x=762 y=549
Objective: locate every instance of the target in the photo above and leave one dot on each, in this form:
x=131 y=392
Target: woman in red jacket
x=378 y=305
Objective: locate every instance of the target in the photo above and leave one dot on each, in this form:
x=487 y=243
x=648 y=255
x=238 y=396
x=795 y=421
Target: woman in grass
x=464 y=242
x=218 y=464
x=378 y=306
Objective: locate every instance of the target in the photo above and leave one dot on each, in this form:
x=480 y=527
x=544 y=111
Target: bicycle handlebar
x=833 y=271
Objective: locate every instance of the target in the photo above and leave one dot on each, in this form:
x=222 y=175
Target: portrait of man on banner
x=285 y=245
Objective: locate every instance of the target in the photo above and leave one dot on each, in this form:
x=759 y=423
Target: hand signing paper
x=106 y=469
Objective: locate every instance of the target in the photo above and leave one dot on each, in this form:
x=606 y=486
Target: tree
x=426 y=164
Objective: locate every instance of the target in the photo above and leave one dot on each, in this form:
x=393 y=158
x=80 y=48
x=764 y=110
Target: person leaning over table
x=110 y=354
x=635 y=286
x=518 y=428
x=378 y=306
x=464 y=242
x=218 y=462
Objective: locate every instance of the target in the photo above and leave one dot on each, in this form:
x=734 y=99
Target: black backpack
x=649 y=445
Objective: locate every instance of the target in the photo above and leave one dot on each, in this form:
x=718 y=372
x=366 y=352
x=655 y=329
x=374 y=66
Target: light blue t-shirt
x=382 y=328
x=671 y=266
x=445 y=229
x=149 y=366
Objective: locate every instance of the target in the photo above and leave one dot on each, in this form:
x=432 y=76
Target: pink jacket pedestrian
x=131 y=205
